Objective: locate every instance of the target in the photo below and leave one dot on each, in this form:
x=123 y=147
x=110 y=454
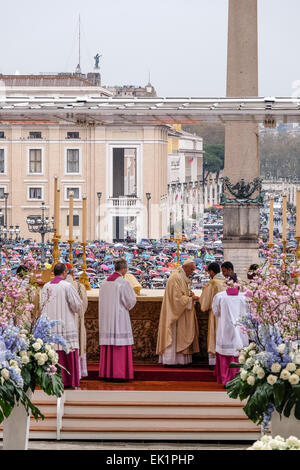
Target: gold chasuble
x=177 y=307
x=215 y=285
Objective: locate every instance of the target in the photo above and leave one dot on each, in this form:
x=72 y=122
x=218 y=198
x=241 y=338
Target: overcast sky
x=181 y=42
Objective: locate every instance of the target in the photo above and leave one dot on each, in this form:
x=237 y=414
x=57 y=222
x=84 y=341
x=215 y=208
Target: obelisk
x=241 y=221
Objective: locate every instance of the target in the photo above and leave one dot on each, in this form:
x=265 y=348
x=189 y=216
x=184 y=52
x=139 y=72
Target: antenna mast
x=79 y=43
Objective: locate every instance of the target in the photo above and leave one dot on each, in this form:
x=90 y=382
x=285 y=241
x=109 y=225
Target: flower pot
x=285 y=427
x=16 y=428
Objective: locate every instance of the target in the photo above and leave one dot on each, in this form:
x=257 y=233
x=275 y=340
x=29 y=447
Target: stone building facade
x=121 y=163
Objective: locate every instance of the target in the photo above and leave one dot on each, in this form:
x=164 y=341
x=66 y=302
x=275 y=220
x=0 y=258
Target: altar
x=144 y=320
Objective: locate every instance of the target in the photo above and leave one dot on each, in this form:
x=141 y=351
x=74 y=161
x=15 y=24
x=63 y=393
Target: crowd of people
x=151 y=261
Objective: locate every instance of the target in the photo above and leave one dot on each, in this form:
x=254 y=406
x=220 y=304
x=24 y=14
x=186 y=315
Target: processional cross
x=178 y=238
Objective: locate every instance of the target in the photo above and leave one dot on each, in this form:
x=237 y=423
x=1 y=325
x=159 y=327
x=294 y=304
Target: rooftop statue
x=97 y=59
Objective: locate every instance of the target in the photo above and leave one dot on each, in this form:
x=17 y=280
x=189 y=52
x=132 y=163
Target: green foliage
x=35 y=375
x=258 y=402
x=213 y=161
x=279 y=154
x=10 y=395
x=213 y=133
x=282 y=394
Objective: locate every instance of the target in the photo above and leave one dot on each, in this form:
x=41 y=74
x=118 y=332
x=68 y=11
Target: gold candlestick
x=297 y=248
x=55 y=204
x=284 y=210
x=70 y=251
x=56 y=236
x=298 y=214
x=284 y=244
x=83 y=279
x=71 y=241
x=271 y=223
x=55 y=252
x=270 y=245
x=84 y=219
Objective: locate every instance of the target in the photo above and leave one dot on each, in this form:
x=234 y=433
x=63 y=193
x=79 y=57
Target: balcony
x=124 y=201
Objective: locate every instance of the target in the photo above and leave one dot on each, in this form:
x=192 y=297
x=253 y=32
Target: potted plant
x=269 y=368
x=27 y=358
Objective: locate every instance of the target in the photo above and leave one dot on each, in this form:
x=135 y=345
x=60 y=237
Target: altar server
x=60 y=301
x=228 y=307
x=116 y=298
x=80 y=324
x=215 y=285
x=178 y=327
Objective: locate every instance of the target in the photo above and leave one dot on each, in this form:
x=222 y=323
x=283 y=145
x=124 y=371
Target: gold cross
x=178 y=238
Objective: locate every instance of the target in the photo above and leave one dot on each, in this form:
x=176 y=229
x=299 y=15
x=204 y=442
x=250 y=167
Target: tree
x=213 y=161
x=211 y=133
x=279 y=155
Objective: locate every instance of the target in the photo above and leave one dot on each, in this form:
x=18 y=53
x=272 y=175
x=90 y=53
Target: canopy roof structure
x=149 y=111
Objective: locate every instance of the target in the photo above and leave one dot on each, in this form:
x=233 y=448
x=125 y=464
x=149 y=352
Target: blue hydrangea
x=55 y=338
x=10 y=335
x=267 y=418
x=42 y=329
x=15 y=376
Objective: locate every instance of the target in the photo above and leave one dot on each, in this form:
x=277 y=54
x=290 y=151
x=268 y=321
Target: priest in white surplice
x=80 y=324
x=229 y=306
x=60 y=301
x=116 y=298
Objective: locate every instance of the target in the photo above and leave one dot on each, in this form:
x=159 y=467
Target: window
x=75 y=191
x=35 y=160
x=2 y=191
x=72 y=135
x=124 y=172
x=35 y=135
x=2 y=135
x=35 y=193
x=75 y=220
x=72 y=160
x=2 y=161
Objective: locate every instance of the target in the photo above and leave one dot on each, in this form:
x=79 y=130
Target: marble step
x=105 y=409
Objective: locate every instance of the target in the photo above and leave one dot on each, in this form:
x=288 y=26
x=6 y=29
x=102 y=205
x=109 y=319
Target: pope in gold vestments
x=178 y=326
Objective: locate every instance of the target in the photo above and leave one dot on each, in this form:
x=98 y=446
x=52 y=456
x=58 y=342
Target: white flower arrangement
x=276 y=443
x=291 y=367
x=276 y=367
x=275 y=372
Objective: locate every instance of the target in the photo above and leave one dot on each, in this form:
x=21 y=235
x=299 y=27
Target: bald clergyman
x=215 y=285
x=178 y=327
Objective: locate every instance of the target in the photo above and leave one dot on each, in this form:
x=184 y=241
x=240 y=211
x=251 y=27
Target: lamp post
x=148 y=196
x=7 y=237
x=99 y=194
x=42 y=225
x=5 y=216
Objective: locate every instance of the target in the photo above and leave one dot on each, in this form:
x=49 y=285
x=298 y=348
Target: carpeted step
x=162 y=373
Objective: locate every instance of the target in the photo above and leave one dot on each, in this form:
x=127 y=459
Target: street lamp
x=7 y=237
x=148 y=196
x=99 y=194
x=42 y=225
